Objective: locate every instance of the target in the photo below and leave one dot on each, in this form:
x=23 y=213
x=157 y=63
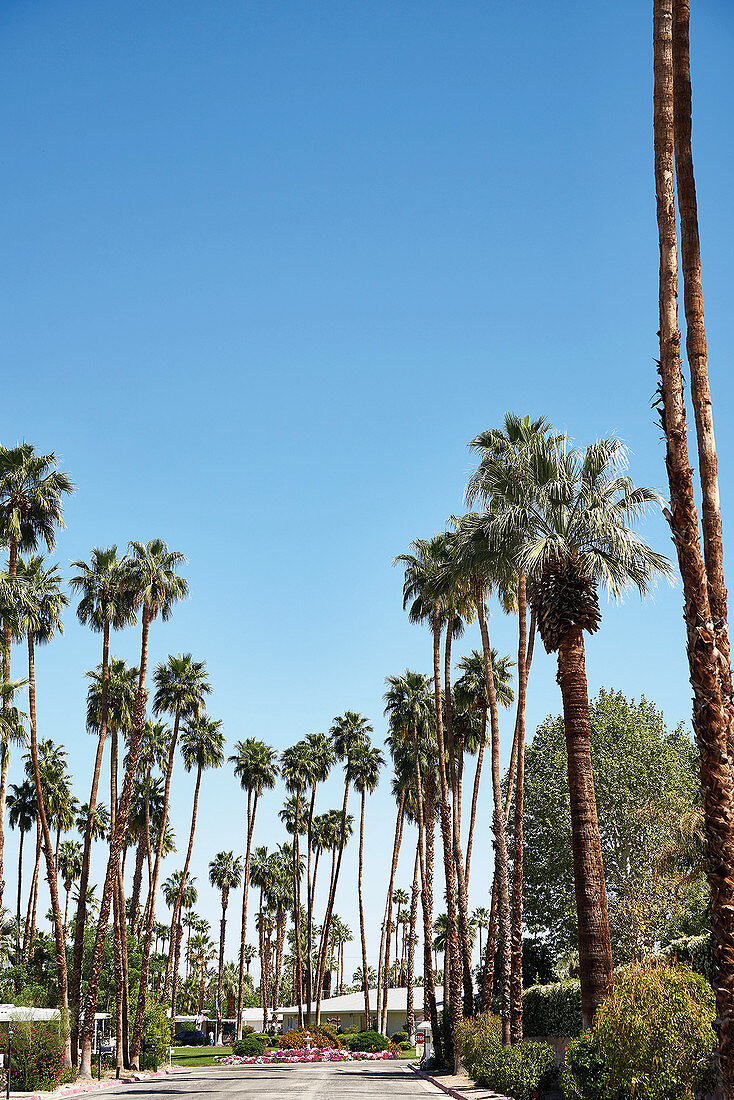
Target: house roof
x=397 y=1001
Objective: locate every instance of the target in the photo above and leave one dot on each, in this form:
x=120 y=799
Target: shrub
x=582 y=1076
x=157 y=1034
x=652 y=1038
x=406 y=1046
x=520 y=1071
x=38 y=1054
x=477 y=1038
x=552 y=1009
x=694 y=950
x=321 y=1035
x=399 y=1037
x=249 y=1046
x=370 y=1042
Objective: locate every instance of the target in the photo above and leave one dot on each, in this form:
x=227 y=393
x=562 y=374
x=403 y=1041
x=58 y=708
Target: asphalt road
x=289 y=1082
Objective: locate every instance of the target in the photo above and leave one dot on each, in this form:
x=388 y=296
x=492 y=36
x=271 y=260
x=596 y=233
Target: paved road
x=289 y=1082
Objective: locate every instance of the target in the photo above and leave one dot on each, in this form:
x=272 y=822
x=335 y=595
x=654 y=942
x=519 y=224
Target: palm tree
x=255 y=765
x=39 y=623
x=249 y=953
x=364 y=766
x=430 y=596
x=21 y=803
x=399 y=898
x=702 y=573
x=202 y=747
x=101 y=826
x=480 y=920
x=348 y=732
x=156 y=588
x=105 y=604
x=181 y=686
x=409 y=709
x=32 y=490
x=225 y=874
x=71 y=857
x=294 y=763
x=318 y=764
x=178 y=886
x=578 y=537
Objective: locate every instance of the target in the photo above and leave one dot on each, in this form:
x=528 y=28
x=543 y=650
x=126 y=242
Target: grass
x=204 y=1056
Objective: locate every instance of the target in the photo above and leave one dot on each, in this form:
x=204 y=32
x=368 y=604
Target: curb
x=435 y=1081
x=98 y=1086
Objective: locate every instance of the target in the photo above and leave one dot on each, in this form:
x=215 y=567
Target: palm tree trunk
x=251 y=798
x=498 y=824
x=220 y=969
x=309 y=906
x=297 y=914
x=67 y=890
x=330 y=905
x=125 y=976
x=123 y=811
x=410 y=1013
x=485 y=1000
x=20 y=888
x=464 y=945
x=426 y=816
x=383 y=974
x=365 y=974
x=454 y=991
x=150 y=907
x=27 y=934
x=475 y=800
x=5 y=748
x=710 y=719
x=81 y=912
x=595 y=951
x=63 y=988
x=137 y=883
x=524 y=657
x=184 y=876
x=696 y=348
x=117 y=966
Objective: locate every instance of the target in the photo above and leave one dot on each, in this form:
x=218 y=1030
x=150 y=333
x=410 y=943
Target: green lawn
x=198 y=1056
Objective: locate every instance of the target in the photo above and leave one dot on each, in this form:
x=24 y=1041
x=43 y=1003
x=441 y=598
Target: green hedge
x=552 y=1010
x=520 y=1071
x=694 y=950
x=249 y=1046
x=370 y=1042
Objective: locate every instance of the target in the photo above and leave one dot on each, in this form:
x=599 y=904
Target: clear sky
x=267 y=267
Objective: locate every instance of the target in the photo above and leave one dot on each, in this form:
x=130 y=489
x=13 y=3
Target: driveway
x=290 y=1082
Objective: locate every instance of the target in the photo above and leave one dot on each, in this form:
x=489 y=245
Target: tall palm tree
x=103 y=584
x=294 y=770
x=178 y=886
x=365 y=764
x=400 y=899
x=348 y=732
x=40 y=622
x=579 y=537
x=32 y=492
x=21 y=803
x=480 y=920
x=319 y=761
x=71 y=856
x=225 y=874
x=156 y=588
x=181 y=685
x=701 y=571
x=255 y=765
x=409 y=708
x=429 y=599
x=202 y=747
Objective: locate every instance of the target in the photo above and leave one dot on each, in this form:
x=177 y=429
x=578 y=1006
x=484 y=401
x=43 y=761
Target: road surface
x=317 y=1081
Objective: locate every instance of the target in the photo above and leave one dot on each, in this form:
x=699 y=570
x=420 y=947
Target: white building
x=348 y=1010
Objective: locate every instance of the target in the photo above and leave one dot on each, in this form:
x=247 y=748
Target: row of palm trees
x=551 y=523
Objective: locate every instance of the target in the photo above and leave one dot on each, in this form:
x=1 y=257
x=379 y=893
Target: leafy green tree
x=645 y=779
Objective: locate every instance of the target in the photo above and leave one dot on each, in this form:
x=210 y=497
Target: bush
x=249 y=1046
x=520 y=1071
x=477 y=1038
x=37 y=1059
x=694 y=950
x=406 y=1046
x=370 y=1042
x=582 y=1076
x=552 y=1009
x=399 y=1037
x=653 y=1038
x=157 y=1035
x=321 y=1035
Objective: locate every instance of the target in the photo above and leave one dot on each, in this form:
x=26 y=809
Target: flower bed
x=318 y=1054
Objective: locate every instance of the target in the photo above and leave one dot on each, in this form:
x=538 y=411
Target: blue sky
x=268 y=267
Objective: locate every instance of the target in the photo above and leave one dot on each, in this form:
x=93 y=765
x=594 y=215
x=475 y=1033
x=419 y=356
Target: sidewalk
x=459 y=1086
x=78 y=1088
